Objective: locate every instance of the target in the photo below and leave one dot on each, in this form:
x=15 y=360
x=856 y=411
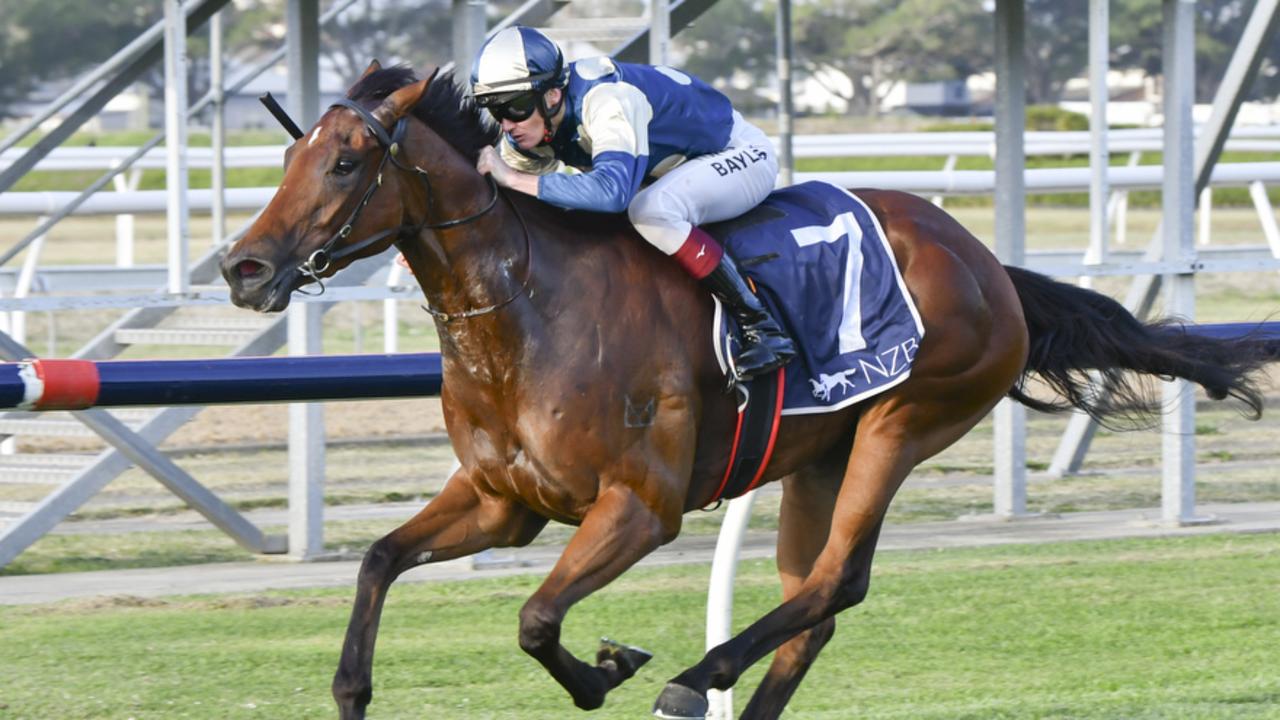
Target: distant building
x=949 y=98
x=1134 y=99
x=824 y=92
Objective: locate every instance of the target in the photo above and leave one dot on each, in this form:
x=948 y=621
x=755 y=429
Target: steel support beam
x=134 y=62
x=1178 y=203
x=218 y=131
x=177 y=216
x=267 y=62
x=683 y=13
x=469 y=23
x=302 y=55
x=306 y=420
x=128 y=446
x=1010 y=484
x=786 y=108
x=1263 y=23
x=1238 y=79
x=111 y=463
x=659 y=32
x=531 y=13
x=306 y=443
x=1099 y=156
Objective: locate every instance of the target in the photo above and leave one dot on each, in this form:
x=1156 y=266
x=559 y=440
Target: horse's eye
x=343 y=167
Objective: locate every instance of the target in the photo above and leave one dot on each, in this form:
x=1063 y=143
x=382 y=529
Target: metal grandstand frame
x=1170 y=261
x=188 y=284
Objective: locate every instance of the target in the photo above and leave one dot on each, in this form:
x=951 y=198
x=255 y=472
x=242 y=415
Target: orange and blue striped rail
x=52 y=384
x=78 y=384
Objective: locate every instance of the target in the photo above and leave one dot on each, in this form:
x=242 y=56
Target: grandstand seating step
x=41 y=468
x=59 y=424
x=12 y=509
x=184 y=336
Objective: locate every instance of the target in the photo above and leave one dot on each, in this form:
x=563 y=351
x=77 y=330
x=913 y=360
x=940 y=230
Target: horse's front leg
x=617 y=531
x=458 y=522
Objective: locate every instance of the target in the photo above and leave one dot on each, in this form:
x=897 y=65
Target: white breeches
x=707 y=189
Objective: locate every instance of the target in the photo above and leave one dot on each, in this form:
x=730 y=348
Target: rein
x=324 y=257
x=445 y=317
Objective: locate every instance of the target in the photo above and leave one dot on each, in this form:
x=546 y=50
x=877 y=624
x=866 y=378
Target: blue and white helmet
x=518 y=59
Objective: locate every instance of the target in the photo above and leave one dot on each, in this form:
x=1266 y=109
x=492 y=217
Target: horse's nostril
x=250 y=268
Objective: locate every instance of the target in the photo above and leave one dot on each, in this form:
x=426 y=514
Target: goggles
x=516 y=107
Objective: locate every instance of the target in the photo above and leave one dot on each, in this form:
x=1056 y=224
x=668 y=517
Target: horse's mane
x=445 y=108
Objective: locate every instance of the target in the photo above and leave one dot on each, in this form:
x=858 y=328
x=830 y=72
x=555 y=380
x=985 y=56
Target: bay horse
x=552 y=323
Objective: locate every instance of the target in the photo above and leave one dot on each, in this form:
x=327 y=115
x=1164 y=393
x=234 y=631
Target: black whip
x=274 y=107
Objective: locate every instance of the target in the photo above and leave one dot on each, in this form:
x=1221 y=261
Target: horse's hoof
x=350 y=713
x=627 y=659
x=678 y=702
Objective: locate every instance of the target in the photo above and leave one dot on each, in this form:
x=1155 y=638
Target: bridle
x=323 y=258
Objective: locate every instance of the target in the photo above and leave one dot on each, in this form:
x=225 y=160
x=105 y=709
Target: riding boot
x=765 y=345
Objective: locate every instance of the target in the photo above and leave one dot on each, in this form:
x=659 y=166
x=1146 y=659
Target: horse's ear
x=400 y=102
x=374 y=66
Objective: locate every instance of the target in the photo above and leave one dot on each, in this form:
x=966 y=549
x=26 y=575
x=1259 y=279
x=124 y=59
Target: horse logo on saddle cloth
x=820 y=262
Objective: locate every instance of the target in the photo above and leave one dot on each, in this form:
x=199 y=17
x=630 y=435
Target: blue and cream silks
x=623 y=123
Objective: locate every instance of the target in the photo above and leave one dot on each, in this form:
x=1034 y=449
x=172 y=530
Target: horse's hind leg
x=617 y=531
x=892 y=436
x=804 y=520
x=456 y=523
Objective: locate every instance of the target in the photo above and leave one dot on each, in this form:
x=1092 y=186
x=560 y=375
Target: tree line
x=869 y=41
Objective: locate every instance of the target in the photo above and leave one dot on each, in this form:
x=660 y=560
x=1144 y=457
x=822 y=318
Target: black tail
x=1074 y=331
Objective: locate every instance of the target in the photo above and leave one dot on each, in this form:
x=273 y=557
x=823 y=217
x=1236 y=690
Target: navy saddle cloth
x=822 y=265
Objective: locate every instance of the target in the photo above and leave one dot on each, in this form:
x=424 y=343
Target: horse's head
x=328 y=211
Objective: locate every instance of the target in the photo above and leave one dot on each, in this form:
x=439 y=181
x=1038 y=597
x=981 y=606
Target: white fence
x=948 y=181
x=942 y=144
x=937 y=183
x=969 y=144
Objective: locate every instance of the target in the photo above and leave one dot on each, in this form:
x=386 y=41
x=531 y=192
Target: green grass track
x=1177 y=628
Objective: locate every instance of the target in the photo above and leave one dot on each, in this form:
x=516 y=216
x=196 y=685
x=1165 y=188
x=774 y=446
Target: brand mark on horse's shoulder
x=637 y=416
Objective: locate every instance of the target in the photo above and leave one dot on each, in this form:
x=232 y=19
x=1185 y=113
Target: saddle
x=820 y=262
x=818 y=259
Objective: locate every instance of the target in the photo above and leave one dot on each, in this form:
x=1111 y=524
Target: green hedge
x=1039 y=117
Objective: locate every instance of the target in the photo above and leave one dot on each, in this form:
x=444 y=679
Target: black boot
x=765 y=345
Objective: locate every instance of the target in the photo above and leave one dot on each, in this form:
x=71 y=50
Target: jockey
x=620 y=125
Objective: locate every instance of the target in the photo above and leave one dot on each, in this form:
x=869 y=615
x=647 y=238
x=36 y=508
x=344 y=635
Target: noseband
x=324 y=257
